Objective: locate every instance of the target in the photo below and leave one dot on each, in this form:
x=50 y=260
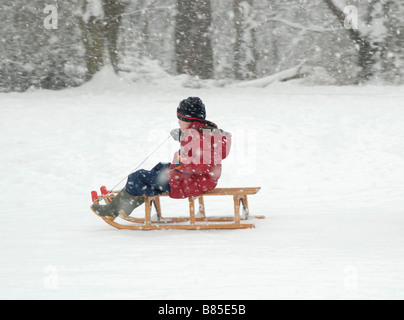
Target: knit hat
x=191 y=109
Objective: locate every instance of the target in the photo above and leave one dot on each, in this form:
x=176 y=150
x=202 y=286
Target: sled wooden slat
x=228 y=192
x=195 y=221
x=177 y=226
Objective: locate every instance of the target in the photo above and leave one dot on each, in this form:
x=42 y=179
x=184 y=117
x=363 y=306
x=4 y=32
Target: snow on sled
x=195 y=221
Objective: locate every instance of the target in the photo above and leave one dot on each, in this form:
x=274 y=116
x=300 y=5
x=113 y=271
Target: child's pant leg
x=149 y=183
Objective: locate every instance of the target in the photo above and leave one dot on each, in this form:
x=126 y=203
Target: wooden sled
x=195 y=221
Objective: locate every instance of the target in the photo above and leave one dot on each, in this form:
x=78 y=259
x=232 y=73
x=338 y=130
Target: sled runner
x=195 y=221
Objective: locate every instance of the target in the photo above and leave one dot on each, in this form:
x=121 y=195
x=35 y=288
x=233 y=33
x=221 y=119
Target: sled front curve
x=195 y=221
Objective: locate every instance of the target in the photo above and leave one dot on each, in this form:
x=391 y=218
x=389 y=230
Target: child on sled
x=195 y=170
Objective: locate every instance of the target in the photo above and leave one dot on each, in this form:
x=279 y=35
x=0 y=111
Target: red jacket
x=197 y=166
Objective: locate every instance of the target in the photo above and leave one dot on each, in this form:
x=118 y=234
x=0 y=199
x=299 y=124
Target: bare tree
x=100 y=24
x=369 y=39
x=193 y=47
x=245 y=48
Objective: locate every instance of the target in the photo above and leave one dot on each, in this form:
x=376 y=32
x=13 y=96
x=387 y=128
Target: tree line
x=228 y=40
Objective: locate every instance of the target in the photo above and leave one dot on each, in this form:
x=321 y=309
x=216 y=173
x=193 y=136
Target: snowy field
x=330 y=161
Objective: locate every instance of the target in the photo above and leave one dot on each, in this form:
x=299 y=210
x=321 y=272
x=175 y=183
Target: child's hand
x=176 y=134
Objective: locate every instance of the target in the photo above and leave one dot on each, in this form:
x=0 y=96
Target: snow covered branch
x=300 y=27
x=92 y=8
x=281 y=76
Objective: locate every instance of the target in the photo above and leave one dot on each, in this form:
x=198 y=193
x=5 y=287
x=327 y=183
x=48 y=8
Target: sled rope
x=154 y=151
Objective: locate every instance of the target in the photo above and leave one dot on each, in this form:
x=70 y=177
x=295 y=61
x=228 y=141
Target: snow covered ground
x=330 y=161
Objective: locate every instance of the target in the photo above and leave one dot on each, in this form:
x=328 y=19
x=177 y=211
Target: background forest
x=221 y=41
